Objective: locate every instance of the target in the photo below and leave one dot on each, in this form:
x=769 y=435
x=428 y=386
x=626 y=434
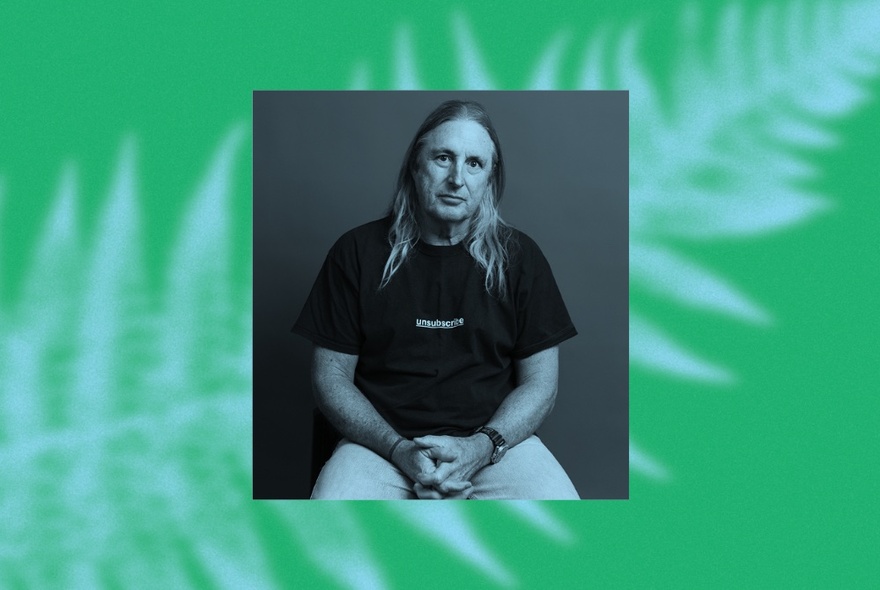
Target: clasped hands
x=442 y=466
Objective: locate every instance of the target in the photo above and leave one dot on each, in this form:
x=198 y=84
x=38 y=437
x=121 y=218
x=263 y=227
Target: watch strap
x=497 y=441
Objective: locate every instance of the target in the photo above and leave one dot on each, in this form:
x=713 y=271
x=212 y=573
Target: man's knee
x=528 y=471
x=355 y=472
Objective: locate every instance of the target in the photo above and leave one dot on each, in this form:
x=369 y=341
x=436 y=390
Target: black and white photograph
x=440 y=295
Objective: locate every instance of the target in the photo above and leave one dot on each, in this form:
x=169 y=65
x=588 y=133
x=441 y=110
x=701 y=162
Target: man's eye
x=443 y=158
x=475 y=164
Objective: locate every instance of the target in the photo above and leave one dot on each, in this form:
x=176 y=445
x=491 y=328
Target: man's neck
x=442 y=235
x=441 y=241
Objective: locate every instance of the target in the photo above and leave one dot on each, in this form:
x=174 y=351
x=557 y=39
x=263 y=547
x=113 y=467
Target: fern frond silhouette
x=110 y=449
x=151 y=487
x=721 y=155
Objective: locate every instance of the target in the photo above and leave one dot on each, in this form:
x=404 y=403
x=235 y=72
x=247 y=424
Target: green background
x=125 y=245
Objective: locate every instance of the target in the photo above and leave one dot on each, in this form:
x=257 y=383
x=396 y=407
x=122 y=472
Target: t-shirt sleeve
x=542 y=318
x=331 y=315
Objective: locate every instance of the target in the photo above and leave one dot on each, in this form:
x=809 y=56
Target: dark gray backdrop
x=325 y=162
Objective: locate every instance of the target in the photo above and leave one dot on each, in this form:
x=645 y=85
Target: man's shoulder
x=521 y=246
x=371 y=229
x=367 y=235
x=521 y=238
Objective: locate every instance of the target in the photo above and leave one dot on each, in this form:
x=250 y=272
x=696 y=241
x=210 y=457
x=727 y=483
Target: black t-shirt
x=435 y=350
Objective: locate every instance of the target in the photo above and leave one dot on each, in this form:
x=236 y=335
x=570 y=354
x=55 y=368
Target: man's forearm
x=522 y=412
x=355 y=418
x=347 y=408
x=526 y=407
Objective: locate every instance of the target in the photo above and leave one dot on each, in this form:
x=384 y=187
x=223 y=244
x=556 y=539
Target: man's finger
x=428 y=441
x=454 y=487
x=425 y=493
x=439 y=475
x=429 y=478
x=439 y=453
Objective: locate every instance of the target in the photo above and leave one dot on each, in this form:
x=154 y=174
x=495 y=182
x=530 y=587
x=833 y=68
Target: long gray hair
x=488 y=236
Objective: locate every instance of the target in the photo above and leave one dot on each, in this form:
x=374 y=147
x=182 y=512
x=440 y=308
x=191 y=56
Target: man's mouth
x=452 y=199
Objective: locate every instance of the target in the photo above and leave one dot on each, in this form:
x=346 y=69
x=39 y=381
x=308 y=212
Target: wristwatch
x=497 y=440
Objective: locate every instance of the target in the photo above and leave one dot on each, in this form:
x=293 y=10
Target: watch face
x=499 y=453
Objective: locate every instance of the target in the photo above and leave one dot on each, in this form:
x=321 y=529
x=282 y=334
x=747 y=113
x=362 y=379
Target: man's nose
x=455 y=174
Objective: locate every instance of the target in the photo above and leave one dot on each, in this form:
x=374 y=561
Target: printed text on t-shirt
x=453 y=323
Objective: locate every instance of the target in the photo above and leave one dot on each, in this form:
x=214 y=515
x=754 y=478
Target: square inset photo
x=440 y=295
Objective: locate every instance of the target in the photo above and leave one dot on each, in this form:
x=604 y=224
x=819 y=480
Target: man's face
x=452 y=175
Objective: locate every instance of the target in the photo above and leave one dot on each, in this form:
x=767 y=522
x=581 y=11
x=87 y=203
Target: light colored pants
x=528 y=471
